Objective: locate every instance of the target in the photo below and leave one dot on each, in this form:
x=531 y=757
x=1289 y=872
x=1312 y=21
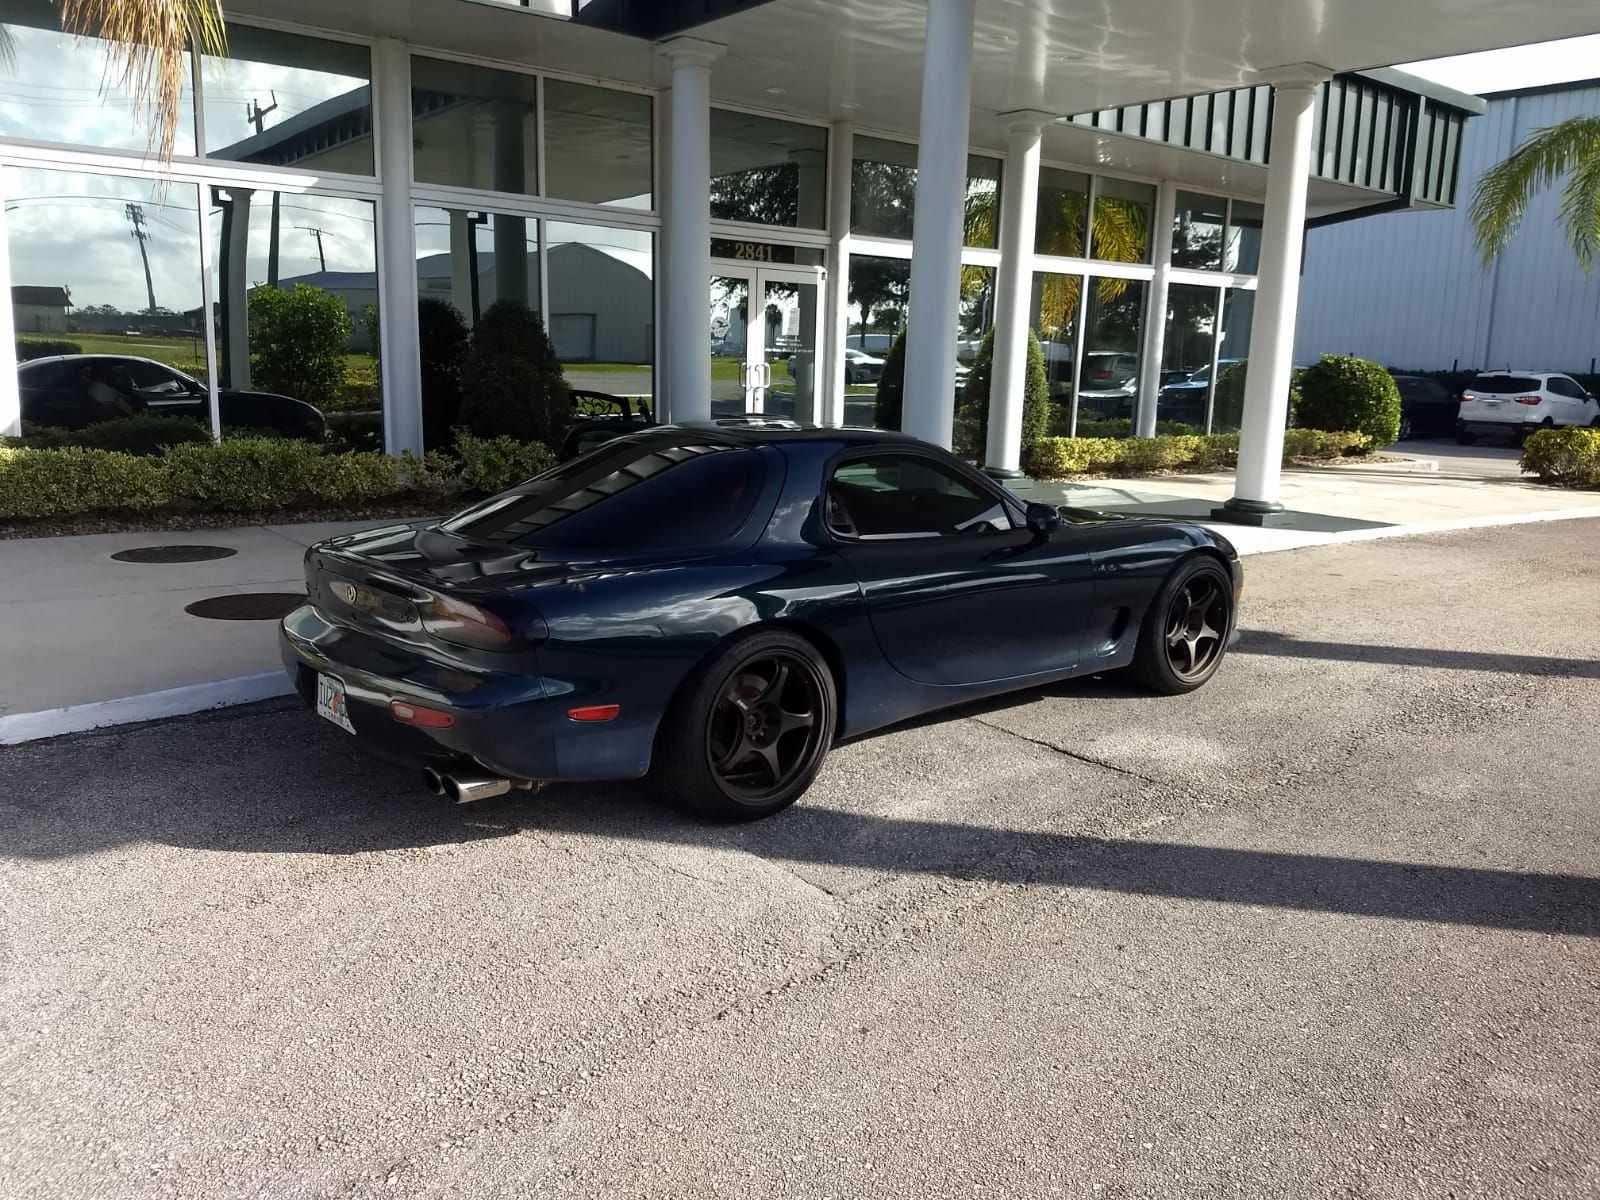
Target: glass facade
x=474 y=127
x=1113 y=340
x=1233 y=360
x=1186 y=354
x=1197 y=232
x=1054 y=314
x=878 y=293
x=1062 y=225
x=1123 y=212
x=597 y=145
x=602 y=306
x=883 y=190
x=1244 y=238
x=768 y=172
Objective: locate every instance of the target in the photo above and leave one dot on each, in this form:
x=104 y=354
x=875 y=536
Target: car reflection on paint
x=718 y=605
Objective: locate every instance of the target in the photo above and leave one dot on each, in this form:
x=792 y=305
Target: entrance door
x=766 y=324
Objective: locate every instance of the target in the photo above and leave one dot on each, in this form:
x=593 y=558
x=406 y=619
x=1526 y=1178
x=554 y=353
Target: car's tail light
x=594 y=714
x=456 y=621
x=1530 y=400
x=420 y=715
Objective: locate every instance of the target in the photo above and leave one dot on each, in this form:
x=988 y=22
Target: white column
x=685 y=375
x=1266 y=395
x=236 y=290
x=1155 y=316
x=836 y=317
x=930 y=386
x=10 y=397
x=1019 y=209
x=397 y=250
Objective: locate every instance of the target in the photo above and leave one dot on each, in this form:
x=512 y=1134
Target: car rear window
x=1505 y=385
x=631 y=496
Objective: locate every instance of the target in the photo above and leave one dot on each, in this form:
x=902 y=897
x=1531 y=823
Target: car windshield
x=631 y=496
x=1502 y=385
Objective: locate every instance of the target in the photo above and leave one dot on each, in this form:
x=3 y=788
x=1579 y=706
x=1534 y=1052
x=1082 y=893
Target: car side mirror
x=1044 y=519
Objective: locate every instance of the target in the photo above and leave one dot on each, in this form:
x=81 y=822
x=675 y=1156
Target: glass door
x=733 y=350
x=766 y=324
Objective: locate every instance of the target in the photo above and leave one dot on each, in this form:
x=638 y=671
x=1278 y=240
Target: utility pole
x=316 y=233
x=136 y=218
x=257 y=116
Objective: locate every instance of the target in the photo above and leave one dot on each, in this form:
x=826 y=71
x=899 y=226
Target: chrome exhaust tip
x=467 y=788
x=433 y=781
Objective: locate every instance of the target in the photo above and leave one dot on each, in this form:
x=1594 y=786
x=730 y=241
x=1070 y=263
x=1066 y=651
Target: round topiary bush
x=973 y=413
x=1342 y=393
x=889 y=403
x=444 y=339
x=511 y=381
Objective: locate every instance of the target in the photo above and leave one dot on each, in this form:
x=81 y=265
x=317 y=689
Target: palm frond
x=1503 y=194
x=148 y=40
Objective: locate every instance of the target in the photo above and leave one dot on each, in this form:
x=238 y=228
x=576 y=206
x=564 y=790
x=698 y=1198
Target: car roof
x=56 y=358
x=791 y=432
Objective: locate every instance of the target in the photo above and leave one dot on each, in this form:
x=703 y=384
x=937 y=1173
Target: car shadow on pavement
x=209 y=793
x=1282 y=645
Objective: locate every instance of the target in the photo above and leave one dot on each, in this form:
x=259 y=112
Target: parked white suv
x=1521 y=401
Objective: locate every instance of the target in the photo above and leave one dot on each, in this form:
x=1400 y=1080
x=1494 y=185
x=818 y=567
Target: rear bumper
x=511 y=724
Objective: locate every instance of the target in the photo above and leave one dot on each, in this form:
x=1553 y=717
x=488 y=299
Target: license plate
x=331 y=702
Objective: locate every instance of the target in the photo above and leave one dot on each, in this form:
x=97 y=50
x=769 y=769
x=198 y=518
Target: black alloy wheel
x=748 y=731
x=1186 y=629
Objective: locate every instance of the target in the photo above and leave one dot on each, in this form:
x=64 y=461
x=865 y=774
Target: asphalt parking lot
x=1330 y=927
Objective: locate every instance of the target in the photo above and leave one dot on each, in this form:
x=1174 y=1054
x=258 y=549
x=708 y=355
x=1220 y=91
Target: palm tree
x=148 y=40
x=1502 y=197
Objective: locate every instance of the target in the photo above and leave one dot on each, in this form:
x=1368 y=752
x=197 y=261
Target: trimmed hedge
x=1057 y=458
x=492 y=465
x=1567 y=457
x=1340 y=392
x=31 y=348
x=142 y=435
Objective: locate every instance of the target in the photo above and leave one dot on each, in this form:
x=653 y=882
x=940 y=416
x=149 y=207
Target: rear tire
x=748 y=731
x=1186 y=630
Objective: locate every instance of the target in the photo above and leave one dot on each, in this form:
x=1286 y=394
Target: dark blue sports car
x=719 y=605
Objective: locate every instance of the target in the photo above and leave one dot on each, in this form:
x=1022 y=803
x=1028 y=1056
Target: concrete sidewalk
x=88 y=641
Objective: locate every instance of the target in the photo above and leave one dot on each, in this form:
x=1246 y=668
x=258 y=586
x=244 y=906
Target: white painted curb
x=1292 y=539
x=151 y=706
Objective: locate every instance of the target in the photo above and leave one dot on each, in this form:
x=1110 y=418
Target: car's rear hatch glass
x=1505 y=385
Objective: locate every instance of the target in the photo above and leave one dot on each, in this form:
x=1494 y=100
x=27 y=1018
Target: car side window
x=888 y=496
x=1562 y=386
x=152 y=377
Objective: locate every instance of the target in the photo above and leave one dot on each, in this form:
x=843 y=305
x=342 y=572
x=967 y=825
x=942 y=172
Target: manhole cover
x=247 y=606
x=173 y=554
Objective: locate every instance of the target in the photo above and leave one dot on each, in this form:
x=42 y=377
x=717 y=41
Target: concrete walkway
x=88 y=641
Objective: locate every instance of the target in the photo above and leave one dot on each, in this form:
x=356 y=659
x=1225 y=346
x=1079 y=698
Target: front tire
x=1185 y=633
x=749 y=731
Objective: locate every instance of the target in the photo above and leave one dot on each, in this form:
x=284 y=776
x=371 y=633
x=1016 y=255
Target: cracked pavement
x=1329 y=927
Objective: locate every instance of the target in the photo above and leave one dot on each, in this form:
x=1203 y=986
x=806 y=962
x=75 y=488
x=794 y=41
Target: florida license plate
x=331 y=702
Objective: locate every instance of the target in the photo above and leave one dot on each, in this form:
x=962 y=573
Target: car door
x=957 y=590
x=1572 y=401
x=161 y=390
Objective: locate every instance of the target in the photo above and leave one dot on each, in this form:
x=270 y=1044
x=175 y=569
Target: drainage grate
x=173 y=554
x=247 y=606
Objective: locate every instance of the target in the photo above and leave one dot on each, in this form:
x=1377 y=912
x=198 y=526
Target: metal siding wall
x=1409 y=290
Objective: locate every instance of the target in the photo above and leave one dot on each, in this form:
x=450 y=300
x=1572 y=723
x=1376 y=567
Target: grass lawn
x=187 y=354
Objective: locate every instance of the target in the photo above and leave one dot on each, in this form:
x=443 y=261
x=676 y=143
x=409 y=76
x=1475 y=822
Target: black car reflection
x=73 y=391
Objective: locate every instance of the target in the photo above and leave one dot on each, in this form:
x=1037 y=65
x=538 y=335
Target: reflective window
x=1233 y=360
x=1054 y=317
x=1122 y=214
x=883 y=189
x=889 y=496
x=1113 y=337
x=1197 y=230
x=768 y=172
x=1063 y=221
x=597 y=145
x=1244 y=238
x=296 y=296
x=1191 y=334
x=474 y=127
x=879 y=290
x=602 y=307
x=106 y=298
x=289 y=101
x=57 y=88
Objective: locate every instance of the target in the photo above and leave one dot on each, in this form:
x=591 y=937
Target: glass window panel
x=289 y=101
x=767 y=171
x=56 y=88
x=1244 y=238
x=110 y=266
x=602 y=307
x=1054 y=317
x=474 y=127
x=974 y=319
x=597 y=145
x=1190 y=340
x=1108 y=381
x=1063 y=221
x=883 y=189
x=1197 y=230
x=288 y=264
x=879 y=289
x=1122 y=216
x=1233 y=360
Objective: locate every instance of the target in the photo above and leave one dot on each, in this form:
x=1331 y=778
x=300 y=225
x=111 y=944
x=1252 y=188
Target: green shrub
x=1227 y=398
x=1056 y=458
x=143 y=435
x=1035 y=394
x=243 y=475
x=512 y=385
x=31 y=348
x=298 y=340
x=889 y=405
x=1341 y=393
x=444 y=339
x=42 y=437
x=1568 y=457
x=1322 y=443
x=53 y=483
x=356 y=478
x=356 y=431
x=493 y=464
